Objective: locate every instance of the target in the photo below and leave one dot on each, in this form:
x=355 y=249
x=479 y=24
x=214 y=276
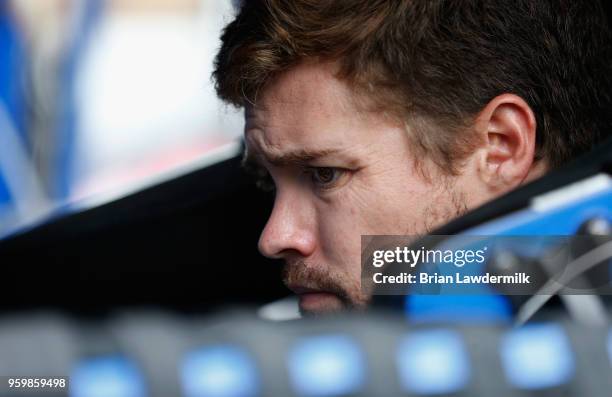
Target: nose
x=290 y=228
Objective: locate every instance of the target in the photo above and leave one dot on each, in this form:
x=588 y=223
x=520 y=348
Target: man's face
x=339 y=173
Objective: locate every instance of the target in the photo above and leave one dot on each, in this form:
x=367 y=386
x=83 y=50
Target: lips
x=315 y=287
x=302 y=290
x=317 y=301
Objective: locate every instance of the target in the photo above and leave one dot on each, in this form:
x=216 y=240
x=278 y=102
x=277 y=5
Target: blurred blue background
x=101 y=98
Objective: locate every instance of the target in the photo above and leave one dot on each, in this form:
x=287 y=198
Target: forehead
x=305 y=106
x=313 y=84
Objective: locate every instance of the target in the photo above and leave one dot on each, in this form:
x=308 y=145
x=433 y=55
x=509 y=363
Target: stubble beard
x=348 y=288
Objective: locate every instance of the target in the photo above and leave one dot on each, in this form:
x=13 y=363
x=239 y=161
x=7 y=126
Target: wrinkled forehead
x=306 y=87
x=307 y=106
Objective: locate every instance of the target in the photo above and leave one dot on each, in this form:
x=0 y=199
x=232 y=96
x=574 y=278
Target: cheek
x=391 y=207
x=340 y=234
x=376 y=206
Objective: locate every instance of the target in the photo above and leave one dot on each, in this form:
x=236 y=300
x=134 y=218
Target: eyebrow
x=299 y=157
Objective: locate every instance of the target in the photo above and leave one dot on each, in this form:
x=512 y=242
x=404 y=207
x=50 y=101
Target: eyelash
x=264 y=181
x=312 y=173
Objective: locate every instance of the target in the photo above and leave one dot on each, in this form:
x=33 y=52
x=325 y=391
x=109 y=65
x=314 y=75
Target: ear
x=507 y=126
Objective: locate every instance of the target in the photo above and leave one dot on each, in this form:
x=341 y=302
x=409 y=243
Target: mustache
x=299 y=273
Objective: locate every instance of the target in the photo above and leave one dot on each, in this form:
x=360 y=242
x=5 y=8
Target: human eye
x=325 y=178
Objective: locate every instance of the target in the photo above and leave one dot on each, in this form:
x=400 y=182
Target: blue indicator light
x=112 y=376
x=220 y=371
x=466 y=309
x=331 y=365
x=537 y=357
x=433 y=362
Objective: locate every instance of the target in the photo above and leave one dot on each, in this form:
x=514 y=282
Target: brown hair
x=439 y=61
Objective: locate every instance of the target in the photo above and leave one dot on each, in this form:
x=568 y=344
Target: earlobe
x=508 y=128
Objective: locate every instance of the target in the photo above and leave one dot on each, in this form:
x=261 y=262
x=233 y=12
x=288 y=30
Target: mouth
x=315 y=300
